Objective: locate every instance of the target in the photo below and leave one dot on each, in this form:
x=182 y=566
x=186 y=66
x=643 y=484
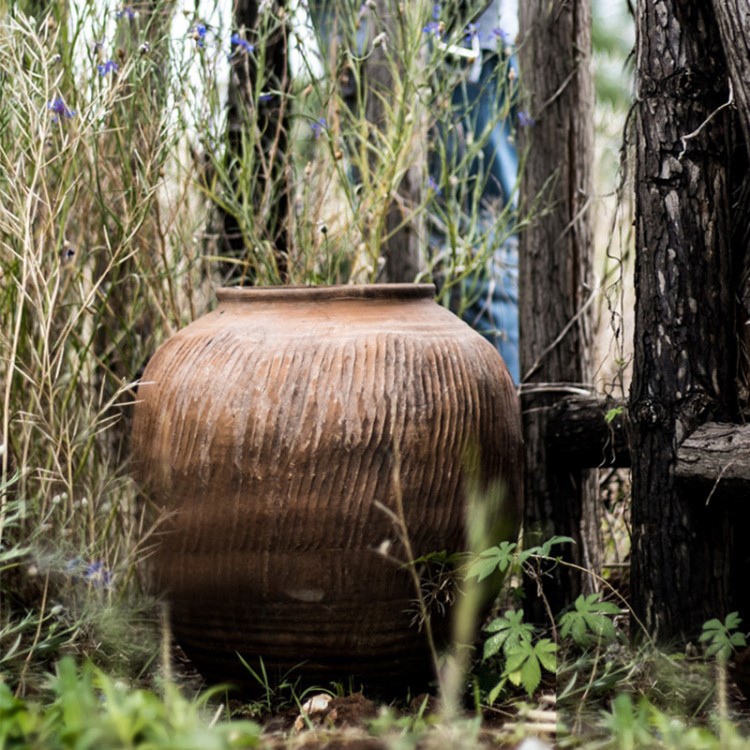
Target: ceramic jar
x=275 y=431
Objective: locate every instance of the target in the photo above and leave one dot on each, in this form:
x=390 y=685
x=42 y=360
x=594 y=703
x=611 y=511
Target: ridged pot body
x=274 y=429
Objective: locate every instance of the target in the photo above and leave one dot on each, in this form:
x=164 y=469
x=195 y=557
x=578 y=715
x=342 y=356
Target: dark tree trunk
x=684 y=334
x=270 y=121
x=555 y=265
x=733 y=19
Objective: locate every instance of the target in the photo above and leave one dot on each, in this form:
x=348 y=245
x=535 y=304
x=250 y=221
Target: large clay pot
x=271 y=428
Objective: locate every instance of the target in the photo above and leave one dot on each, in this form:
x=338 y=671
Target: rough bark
x=733 y=20
x=715 y=461
x=684 y=339
x=555 y=264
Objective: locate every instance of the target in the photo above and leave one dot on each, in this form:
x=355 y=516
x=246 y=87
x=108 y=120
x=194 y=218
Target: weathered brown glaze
x=270 y=428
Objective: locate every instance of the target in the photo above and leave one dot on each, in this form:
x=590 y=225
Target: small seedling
x=723 y=638
x=590 y=623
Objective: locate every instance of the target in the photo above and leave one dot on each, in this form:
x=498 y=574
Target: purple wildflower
x=58 y=106
x=198 y=32
x=433 y=185
x=237 y=41
x=110 y=66
x=436 y=11
x=434 y=27
x=501 y=34
x=97 y=575
x=125 y=12
x=319 y=126
x=525 y=120
x=264 y=98
x=471 y=31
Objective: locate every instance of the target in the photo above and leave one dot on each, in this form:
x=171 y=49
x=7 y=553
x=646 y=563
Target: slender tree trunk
x=733 y=19
x=402 y=248
x=684 y=334
x=270 y=198
x=555 y=266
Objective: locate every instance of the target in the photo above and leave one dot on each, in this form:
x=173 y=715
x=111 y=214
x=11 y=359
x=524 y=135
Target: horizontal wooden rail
x=592 y=431
x=588 y=432
x=715 y=459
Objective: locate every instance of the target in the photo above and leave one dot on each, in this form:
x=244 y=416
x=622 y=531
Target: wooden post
x=684 y=333
x=555 y=265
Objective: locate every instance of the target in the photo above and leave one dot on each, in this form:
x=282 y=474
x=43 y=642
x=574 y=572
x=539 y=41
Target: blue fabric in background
x=476 y=106
x=493 y=311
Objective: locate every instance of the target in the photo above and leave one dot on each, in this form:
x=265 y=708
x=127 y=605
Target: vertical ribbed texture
x=271 y=433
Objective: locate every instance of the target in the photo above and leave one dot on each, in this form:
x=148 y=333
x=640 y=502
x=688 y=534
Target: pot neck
x=327 y=293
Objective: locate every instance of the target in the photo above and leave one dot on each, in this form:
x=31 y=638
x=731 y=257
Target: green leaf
x=721 y=637
x=590 y=622
x=492 y=560
x=493 y=644
x=546 y=652
x=495 y=692
x=531 y=674
x=732 y=621
x=612 y=414
x=518 y=656
x=545 y=549
x=510 y=631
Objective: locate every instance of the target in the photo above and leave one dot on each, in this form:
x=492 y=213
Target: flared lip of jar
x=326 y=293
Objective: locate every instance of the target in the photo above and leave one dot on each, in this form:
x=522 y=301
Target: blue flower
x=125 y=12
x=97 y=575
x=242 y=44
x=525 y=120
x=436 y=11
x=198 y=32
x=471 y=31
x=110 y=66
x=58 y=106
x=433 y=185
x=319 y=126
x=434 y=27
x=264 y=98
x=501 y=34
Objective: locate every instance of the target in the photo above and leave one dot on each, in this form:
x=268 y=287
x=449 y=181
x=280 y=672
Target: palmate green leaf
x=531 y=674
x=732 y=621
x=590 y=623
x=544 y=550
x=708 y=627
x=723 y=637
x=491 y=560
x=546 y=652
x=509 y=631
x=493 y=644
x=524 y=666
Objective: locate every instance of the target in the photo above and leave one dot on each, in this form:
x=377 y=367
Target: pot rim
x=325 y=293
